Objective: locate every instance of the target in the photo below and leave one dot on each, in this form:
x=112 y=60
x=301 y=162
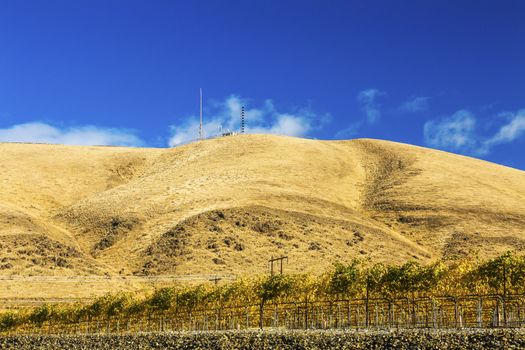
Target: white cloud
x=369 y=105
x=225 y=115
x=351 y=131
x=415 y=104
x=457 y=133
x=454 y=133
x=284 y=124
x=511 y=131
x=38 y=132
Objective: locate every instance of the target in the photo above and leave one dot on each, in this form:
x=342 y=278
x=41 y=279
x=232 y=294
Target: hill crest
x=226 y=205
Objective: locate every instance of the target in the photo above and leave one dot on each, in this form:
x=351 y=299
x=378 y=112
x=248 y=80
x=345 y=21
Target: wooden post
x=261 y=314
x=357 y=316
x=349 y=314
x=504 y=293
x=456 y=313
x=367 y=310
x=480 y=312
x=306 y=313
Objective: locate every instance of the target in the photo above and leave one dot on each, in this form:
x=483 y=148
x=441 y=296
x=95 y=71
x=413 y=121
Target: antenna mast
x=242 y=120
x=200 y=125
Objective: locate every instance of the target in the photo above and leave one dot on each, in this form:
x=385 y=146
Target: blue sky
x=441 y=74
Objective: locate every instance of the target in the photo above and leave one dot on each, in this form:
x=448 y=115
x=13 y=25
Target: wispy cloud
x=350 y=131
x=266 y=119
x=38 y=132
x=369 y=105
x=369 y=102
x=511 y=131
x=415 y=105
x=455 y=133
x=458 y=133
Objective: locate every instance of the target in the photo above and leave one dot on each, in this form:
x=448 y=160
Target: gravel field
x=407 y=339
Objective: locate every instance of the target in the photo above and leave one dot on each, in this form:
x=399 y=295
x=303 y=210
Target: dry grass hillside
x=224 y=206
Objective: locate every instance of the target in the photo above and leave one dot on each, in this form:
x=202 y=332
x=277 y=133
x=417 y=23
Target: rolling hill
x=224 y=206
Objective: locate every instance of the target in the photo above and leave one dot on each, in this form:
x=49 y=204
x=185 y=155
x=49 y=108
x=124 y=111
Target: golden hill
x=224 y=206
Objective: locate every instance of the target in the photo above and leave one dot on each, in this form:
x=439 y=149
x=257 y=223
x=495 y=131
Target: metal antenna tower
x=242 y=120
x=200 y=105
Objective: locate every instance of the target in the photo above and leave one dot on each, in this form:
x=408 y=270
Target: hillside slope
x=224 y=206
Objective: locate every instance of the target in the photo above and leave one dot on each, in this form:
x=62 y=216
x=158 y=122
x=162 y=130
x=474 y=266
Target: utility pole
x=200 y=105
x=216 y=279
x=280 y=259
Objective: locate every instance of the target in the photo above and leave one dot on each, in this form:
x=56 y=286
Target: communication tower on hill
x=242 y=120
x=200 y=124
